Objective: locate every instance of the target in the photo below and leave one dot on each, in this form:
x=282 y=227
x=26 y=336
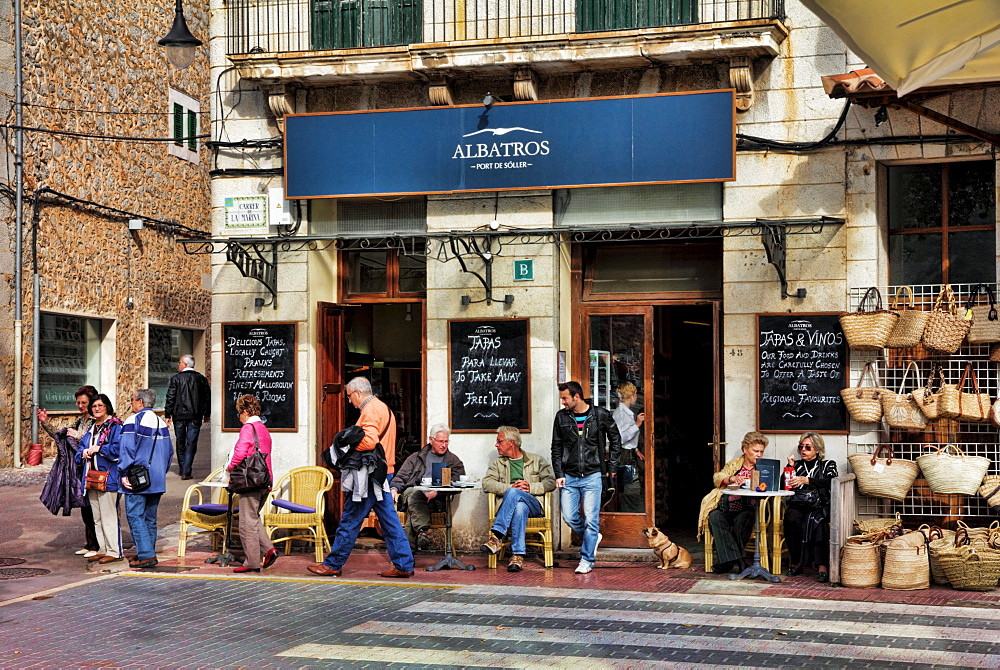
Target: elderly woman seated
x=731 y=518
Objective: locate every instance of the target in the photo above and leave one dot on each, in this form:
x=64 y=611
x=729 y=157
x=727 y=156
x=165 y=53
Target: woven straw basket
x=906 y=567
x=869 y=327
x=952 y=473
x=946 y=329
x=910 y=326
x=969 y=535
x=860 y=565
x=901 y=410
x=955 y=403
x=972 y=568
x=990 y=490
x=865 y=402
x=938 y=549
x=985 y=319
x=883 y=477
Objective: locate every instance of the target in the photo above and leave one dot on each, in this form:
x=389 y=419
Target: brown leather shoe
x=492 y=545
x=516 y=563
x=145 y=563
x=323 y=570
x=396 y=572
x=96 y=557
x=109 y=559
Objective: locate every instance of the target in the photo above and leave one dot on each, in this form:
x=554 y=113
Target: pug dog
x=670 y=555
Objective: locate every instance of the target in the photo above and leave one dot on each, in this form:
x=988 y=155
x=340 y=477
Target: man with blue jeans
x=516 y=476
x=585 y=444
x=366 y=488
x=146 y=440
x=188 y=404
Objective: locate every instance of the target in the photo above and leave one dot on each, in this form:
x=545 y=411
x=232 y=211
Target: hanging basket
x=952 y=472
x=985 y=326
x=883 y=477
x=946 y=329
x=864 y=403
x=869 y=327
x=928 y=397
x=906 y=567
x=990 y=490
x=860 y=565
x=901 y=410
x=910 y=326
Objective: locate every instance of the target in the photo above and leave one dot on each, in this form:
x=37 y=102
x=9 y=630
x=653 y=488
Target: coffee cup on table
x=426 y=481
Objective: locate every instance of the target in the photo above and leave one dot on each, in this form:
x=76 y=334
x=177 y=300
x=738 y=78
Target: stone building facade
x=116 y=304
x=696 y=363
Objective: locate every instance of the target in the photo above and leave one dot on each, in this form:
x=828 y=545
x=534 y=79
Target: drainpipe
x=19 y=233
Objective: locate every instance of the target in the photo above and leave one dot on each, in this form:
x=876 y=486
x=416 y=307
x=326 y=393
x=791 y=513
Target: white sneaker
x=599 y=538
x=89 y=554
x=584 y=567
x=81 y=552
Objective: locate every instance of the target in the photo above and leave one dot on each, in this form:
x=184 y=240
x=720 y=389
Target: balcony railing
x=288 y=26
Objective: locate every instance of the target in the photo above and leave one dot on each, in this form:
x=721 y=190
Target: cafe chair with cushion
x=297 y=505
x=205 y=508
x=772 y=540
x=538 y=534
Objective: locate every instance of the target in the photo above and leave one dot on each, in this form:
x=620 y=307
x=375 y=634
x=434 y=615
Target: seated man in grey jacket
x=415 y=468
x=517 y=476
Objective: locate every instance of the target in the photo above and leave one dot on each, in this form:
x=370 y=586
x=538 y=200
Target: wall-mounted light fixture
x=490 y=100
x=409 y=313
x=136 y=224
x=179 y=43
x=881 y=116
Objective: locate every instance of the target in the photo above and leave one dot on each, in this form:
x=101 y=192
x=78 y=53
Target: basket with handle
x=883 y=477
x=946 y=328
x=928 y=397
x=900 y=409
x=985 y=326
x=860 y=564
x=973 y=567
x=864 y=403
x=955 y=403
x=941 y=549
x=906 y=567
x=870 y=326
x=950 y=470
x=990 y=491
x=910 y=326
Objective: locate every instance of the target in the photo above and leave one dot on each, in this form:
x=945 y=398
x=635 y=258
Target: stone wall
x=96 y=69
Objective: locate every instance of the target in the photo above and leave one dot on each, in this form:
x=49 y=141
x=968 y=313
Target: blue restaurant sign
x=652 y=139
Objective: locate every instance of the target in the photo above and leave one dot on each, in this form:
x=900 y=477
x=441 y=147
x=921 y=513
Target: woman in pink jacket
x=252 y=533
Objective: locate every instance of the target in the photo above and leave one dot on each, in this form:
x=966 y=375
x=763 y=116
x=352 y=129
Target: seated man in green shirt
x=516 y=476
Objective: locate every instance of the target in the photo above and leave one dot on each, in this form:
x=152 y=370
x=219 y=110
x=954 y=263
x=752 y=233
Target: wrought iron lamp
x=179 y=43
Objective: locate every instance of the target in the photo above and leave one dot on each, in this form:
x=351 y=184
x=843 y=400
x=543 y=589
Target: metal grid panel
x=976 y=439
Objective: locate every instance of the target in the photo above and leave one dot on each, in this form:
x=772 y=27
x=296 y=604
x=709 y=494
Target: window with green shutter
x=192 y=130
x=597 y=15
x=349 y=24
x=184 y=111
x=178 y=125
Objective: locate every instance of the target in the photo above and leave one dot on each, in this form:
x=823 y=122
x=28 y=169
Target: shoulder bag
x=910 y=326
x=137 y=474
x=929 y=395
x=946 y=329
x=901 y=410
x=985 y=326
x=251 y=474
x=97 y=480
x=955 y=403
x=864 y=403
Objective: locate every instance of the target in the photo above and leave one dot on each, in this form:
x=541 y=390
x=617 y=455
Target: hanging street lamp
x=179 y=43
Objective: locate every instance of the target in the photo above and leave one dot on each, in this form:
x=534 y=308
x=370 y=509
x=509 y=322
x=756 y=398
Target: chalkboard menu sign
x=802 y=366
x=489 y=375
x=259 y=359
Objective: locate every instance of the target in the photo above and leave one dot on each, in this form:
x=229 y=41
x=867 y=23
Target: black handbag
x=137 y=474
x=251 y=474
x=807 y=498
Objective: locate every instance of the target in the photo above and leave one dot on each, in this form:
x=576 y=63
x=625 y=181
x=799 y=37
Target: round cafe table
x=756 y=570
x=449 y=560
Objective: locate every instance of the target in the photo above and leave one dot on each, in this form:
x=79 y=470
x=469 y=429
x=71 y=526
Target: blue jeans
x=140 y=510
x=350 y=526
x=512 y=517
x=186 y=434
x=588 y=524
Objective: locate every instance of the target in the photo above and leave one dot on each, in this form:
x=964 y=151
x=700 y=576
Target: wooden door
x=618 y=347
x=331 y=346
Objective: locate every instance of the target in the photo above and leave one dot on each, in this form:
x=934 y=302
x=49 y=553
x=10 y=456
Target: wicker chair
x=205 y=508
x=302 y=508
x=541 y=527
x=770 y=515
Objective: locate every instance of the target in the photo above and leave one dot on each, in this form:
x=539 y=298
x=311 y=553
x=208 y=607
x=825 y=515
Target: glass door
x=618 y=345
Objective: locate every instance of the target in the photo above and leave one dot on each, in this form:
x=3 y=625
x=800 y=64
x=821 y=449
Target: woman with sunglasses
x=98 y=450
x=807 y=517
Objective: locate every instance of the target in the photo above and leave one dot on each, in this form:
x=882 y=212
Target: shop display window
x=69 y=357
x=165 y=348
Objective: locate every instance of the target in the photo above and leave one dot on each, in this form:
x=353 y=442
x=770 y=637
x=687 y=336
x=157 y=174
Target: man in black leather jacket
x=583 y=437
x=188 y=404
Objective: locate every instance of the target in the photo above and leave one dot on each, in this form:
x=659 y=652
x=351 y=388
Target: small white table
x=224 y=558
x=756 y=570
x=449 y=560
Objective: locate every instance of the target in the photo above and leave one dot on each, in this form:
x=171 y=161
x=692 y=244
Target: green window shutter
x=192 y=130
x=346 y=24
x=406 y=26
x=323 y=27
x=178 y=124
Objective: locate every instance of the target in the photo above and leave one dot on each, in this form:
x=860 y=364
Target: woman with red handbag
x=253 y=437
x=98 y=451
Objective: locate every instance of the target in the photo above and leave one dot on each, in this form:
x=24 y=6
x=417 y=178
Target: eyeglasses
x=97 y=404
x=805 y=447
x=434 y=439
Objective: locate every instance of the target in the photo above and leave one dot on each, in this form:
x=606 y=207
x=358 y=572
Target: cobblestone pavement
x=143 y=620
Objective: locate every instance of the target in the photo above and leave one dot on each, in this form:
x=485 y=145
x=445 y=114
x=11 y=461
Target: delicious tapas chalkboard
x=489 y=375
x=802 y=366
x=259 y=359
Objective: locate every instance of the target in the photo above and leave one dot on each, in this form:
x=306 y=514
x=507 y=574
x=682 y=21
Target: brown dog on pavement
x=670 y=555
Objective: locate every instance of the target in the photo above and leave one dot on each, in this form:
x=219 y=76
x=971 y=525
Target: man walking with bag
x=363 y=480
x=583 y=436
x=143 y=462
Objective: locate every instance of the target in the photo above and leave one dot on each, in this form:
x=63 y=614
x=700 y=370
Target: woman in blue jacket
x=98 y=450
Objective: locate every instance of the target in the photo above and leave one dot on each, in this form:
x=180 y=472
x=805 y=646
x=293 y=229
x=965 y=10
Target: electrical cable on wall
x=94 y=136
